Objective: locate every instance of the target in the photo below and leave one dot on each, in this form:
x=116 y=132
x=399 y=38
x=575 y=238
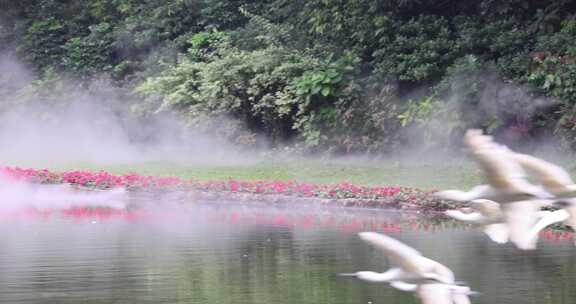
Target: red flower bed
x=377 y=196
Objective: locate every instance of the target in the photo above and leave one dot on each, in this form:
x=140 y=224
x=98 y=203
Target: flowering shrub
x=96 y=180
x=351 y=195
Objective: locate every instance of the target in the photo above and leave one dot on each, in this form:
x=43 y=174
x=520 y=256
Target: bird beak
x=347 y=275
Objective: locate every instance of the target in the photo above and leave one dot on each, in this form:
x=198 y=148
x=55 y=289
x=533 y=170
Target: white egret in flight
x=433 y=282
x=520 y=201
x=507 y=180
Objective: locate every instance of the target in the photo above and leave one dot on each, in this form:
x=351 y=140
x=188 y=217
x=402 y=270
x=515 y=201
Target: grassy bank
x=456 y=174
x=227 y=190
x=389 y=184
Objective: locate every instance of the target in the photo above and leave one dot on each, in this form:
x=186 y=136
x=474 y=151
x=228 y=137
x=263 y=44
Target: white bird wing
x=498 y=233
x=393 y=248
x=392 y=275
x=571 y=210
x=553 y=177
x=404 y=286
x=521 y=217
x=473 y=217
x=490 y=209
x=475 y=138
x=435 y=294
x=406 y=257
x=480 y=191
x=460 y=299
x=500 y=168
x=501 y=171
x=440 y=272
x=548 y=218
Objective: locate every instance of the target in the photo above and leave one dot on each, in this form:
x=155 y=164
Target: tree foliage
x=337 y=75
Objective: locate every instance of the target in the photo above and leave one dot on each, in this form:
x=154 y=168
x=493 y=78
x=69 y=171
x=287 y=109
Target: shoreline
x=152 y=189
x=273 y=192
x=287 y=200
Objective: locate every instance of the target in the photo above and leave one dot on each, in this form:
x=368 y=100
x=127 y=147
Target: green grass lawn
x=460 y=174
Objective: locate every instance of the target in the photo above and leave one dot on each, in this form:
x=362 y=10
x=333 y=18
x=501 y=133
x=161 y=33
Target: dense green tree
x=344 y=75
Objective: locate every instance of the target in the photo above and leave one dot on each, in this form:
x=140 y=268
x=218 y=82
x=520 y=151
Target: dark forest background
x=336 y=76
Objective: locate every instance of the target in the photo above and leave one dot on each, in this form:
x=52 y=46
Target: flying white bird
x=433 y=282
x=507 y=180
x=520 y=201
x=513 y=221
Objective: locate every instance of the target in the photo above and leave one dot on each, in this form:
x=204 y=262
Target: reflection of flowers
x=91 y=214
x=352 y=224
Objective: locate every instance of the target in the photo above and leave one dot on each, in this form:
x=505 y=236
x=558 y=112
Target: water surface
x=234 y=254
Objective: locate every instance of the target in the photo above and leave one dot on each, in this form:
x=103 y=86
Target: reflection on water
x=232 y=254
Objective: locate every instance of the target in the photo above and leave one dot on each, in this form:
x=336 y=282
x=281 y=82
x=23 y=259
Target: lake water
x=233 y=254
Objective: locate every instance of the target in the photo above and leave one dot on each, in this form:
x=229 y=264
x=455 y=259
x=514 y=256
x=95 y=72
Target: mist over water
x=22 y=195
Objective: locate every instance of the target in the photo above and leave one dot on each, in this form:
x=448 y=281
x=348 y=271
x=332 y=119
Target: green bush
x=248 y=86
x=281 y=92
x=91 y=54
x=42 y=43
x=417 y=50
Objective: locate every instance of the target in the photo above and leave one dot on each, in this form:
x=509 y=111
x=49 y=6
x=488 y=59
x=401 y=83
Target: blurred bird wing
x=498 y=233
x=460 y=299
x=400 y=254
x=521 y=217
x=497 y=161
x=474 y=138
x=435 y=294
x=490 y=209
x=476 y=192
x=441 y=272
x=474 y=217
x=396 y=250
x=404 y=286
x=553 y=177
x=548 y=218
x=408 y=258
x=393 y=274
x=571 y=210
x=501 y=171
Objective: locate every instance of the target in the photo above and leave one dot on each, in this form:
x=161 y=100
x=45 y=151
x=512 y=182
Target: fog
x=92 y=123
x=58 y=122
x=480 y=99
x=18 y=194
